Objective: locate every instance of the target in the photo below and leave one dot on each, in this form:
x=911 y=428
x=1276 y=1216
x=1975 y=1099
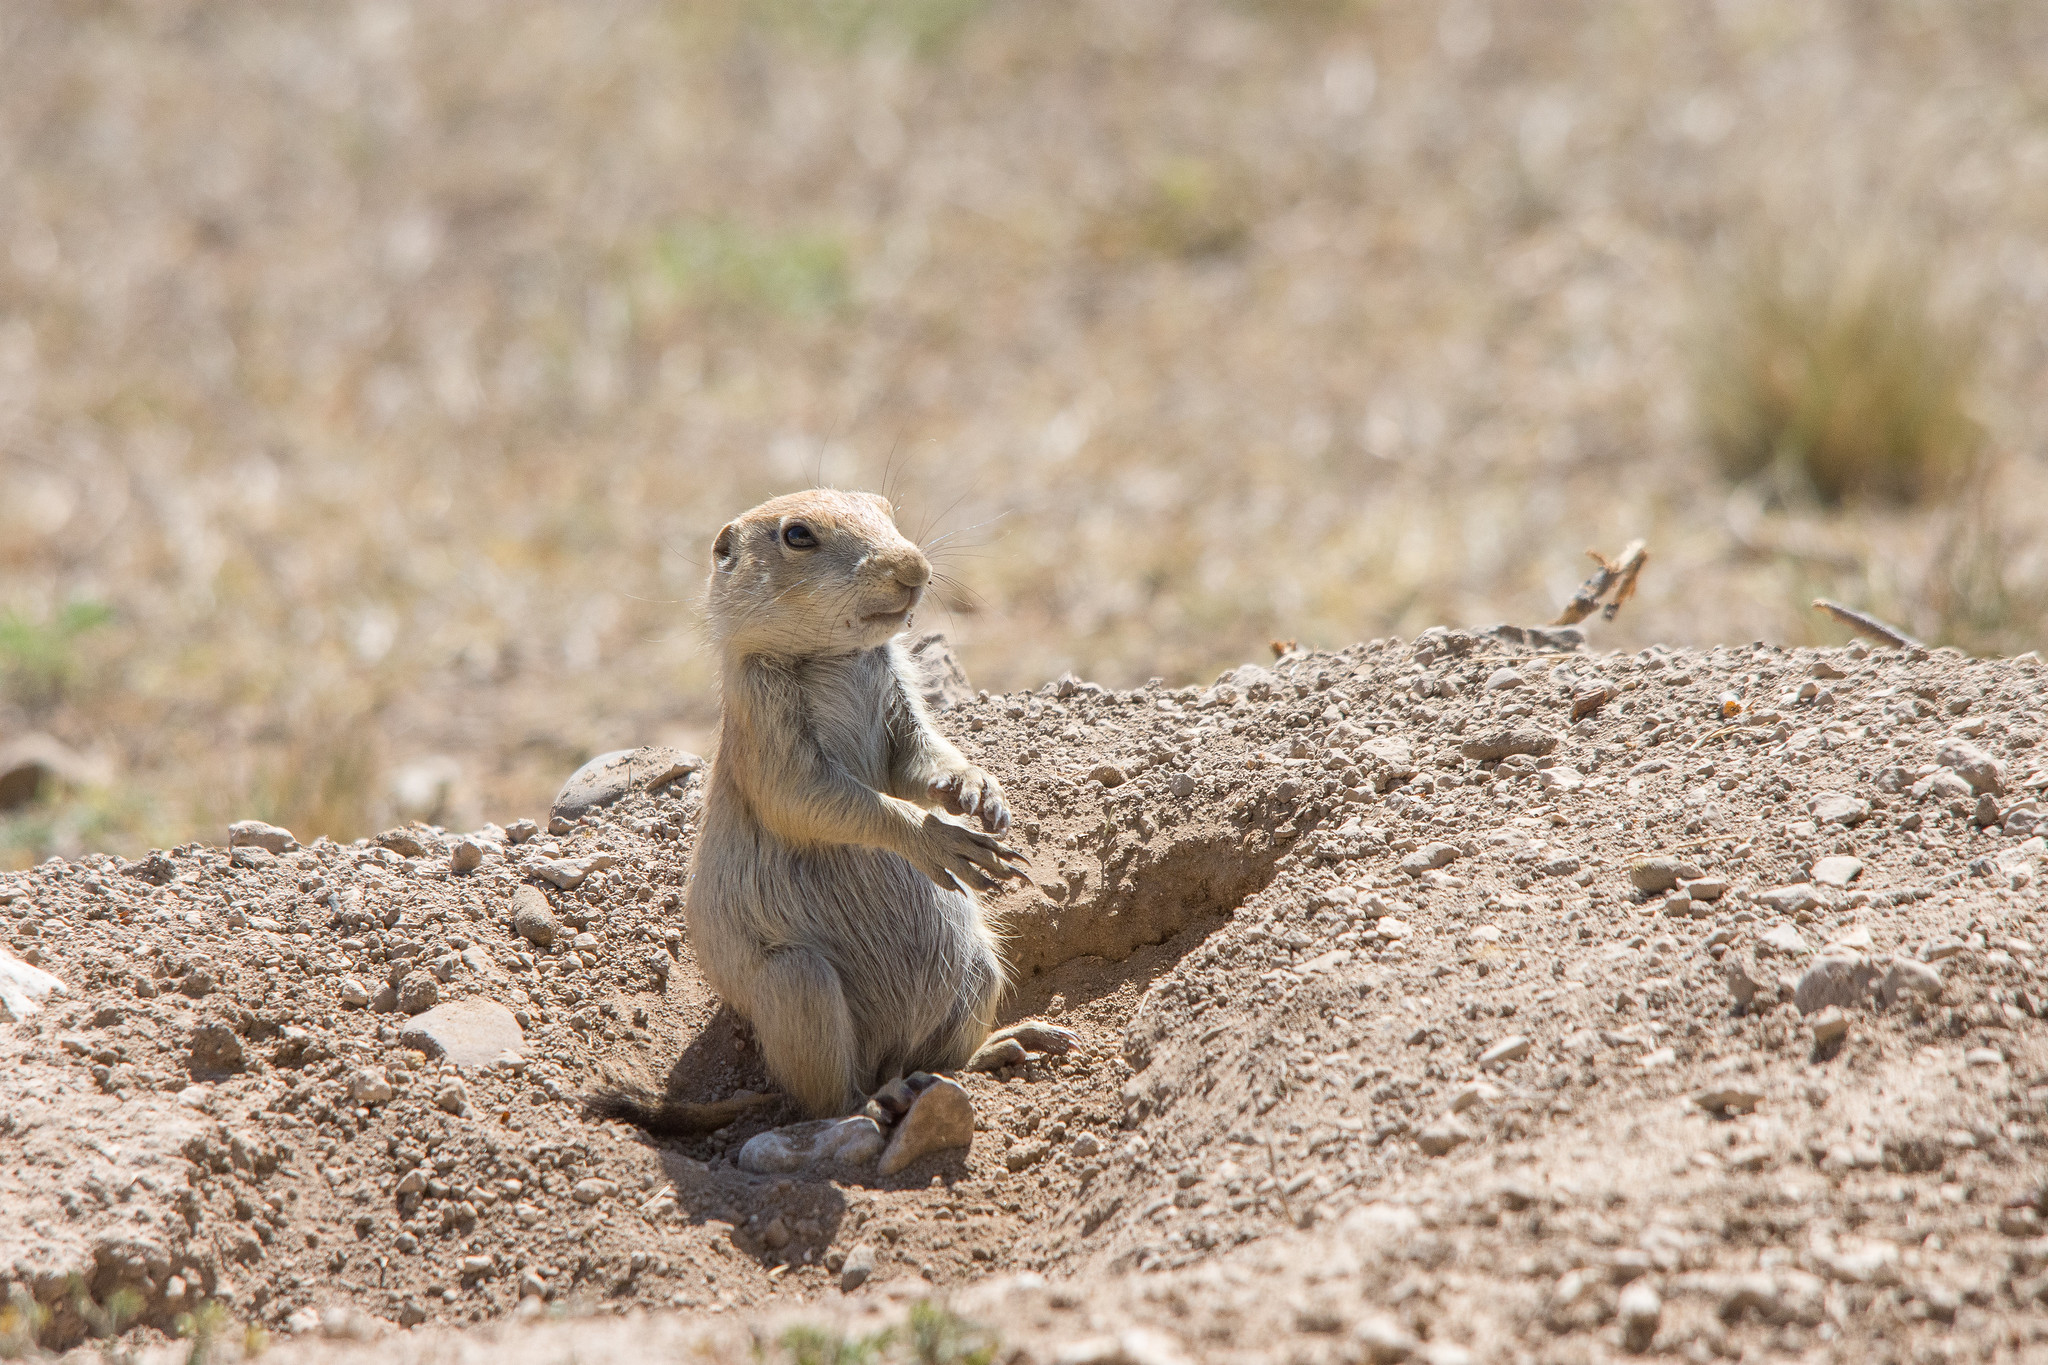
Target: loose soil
x=1386 y=1056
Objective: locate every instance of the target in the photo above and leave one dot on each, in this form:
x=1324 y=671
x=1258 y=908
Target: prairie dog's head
x=814 y=573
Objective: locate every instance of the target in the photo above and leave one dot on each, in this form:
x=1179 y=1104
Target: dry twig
x=1618 y=574
x=1864 y=624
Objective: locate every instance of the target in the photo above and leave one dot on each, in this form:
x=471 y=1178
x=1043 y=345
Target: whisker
x=941 y=540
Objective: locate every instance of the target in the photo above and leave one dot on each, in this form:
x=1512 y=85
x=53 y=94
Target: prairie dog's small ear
x=722 y=548
x=883 y=503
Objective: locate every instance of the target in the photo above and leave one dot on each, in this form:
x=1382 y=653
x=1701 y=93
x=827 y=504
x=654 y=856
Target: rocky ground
x=1462 y=999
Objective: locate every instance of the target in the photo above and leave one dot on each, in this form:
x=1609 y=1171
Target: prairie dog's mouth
x=896 y=614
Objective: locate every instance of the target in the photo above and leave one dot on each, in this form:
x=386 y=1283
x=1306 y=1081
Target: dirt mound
x=1437 y=997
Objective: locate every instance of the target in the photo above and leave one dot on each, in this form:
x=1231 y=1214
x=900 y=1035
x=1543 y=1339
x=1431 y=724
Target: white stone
x=22 y=988
x=370 y=1086
x=1789 y=900
x=1783 y=938
x=256 y=834
x=1839 y=870
x=1510 y=1049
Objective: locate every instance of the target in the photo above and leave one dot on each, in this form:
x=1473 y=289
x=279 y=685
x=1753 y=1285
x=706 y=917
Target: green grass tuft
x=796 y=274
x=927 y=27
x=40 y=660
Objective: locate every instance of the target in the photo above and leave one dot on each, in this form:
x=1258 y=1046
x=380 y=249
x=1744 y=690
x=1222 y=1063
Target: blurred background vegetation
x=373 y=374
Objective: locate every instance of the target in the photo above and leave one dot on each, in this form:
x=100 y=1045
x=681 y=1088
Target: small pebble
x=1639 y=1309
x=1829 y=1026
x=860 y=1264
x=370 y=1086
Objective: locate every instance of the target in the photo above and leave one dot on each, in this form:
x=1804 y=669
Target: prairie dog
x=829 y=903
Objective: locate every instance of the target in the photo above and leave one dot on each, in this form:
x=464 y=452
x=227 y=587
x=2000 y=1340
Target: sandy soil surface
x=1399 y=1044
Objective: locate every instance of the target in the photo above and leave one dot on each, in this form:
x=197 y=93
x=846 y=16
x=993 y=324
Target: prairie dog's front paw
x=973 y=793
x=953 y=855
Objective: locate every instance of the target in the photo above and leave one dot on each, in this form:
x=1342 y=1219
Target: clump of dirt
x=1441 y=1000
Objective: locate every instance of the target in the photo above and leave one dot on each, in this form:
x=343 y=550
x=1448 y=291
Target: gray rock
x=1839 y=808
x=1790 y=900
x=1782 y=938
x=1842 y=981
x=592 y=1190
x=1856 y=939
x=256 y=834
x=1498 y=744
x=452 y=1096
x=519 y=831
x=404 y=842
x=570 y=873
x=940 y=679
x=1728 y=1100
x=1512 y=1048
x=1108 y=774
x=1949 y=788
x=1025 y=1155
x=1388 y=761
x=418 y=992
x=1986 y=812
x=353 y=992
x=860 y=1264
x=1838 y=870
x=1501 y=679
x=1983 y=772
x=801 y=1146
x=606 y=778
x=1741 y=984
x=1383 y=1341
x=1910 y=976
x=215 y=1047
x=1444 y=1136
x=469 y=1033
x=466 y=856
x=1652 y=875
x=386 y=999
x=1429 y=857
x=22 y=988
x=533 y=919
x=940 y=1119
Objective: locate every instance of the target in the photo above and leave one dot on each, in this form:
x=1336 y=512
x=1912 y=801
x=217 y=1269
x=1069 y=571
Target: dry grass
x=1828 y=374
x=384 y=368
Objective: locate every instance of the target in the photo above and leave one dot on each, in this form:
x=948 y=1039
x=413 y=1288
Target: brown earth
x=1386 y=1058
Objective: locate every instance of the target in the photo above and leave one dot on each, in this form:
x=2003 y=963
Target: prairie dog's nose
x=910 y=568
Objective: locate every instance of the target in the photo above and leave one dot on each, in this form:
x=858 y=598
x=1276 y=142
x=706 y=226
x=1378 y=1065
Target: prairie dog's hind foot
x=1019 y=1042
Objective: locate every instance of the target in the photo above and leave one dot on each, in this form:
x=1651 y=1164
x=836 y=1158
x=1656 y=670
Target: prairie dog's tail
x=666 y=1116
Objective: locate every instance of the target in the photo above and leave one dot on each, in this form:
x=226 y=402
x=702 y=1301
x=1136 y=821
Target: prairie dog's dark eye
x=799 y=536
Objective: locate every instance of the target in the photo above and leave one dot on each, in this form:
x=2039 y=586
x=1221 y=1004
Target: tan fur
x=828 y=903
